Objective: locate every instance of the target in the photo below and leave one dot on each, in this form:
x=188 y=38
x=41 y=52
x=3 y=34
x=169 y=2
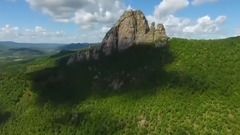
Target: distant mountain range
x=76 y=46
x=11 y=44
x=52 y=46
x=12 y=51
x=27 y=51
x=3 y=48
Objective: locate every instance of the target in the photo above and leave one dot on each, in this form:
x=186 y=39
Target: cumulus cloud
x=173 y=25
x=206 y=25
x=86 y=13
x=40 y=34
x=105 y=29
x=168 y=7
x=199 y=2
x=181 y=26
x=37 y=34
x=9 y=31
x=95 y=17
x=164 y=13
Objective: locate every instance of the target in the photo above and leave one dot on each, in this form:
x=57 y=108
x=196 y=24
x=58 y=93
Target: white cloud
x=39 y=29
x=130 y=7
x=95 y=18
x=164 y=13
x=40 y=34
x=86 y=13
x=238 y=31
x=9 y=31
x=199 y=2
x=37 y=34
x=172 y=24
x=205 y=25
x=182 y=26
x=105 y=29
x=168 y=7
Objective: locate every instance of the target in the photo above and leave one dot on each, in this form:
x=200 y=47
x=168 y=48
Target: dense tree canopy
x=186 y=87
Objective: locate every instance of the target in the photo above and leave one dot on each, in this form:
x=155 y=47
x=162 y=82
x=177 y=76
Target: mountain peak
x=132 y=28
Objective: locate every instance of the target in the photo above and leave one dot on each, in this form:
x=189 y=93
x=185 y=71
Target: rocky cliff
x=131 y=29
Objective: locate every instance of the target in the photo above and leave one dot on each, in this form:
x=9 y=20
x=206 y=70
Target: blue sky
x=66 y=21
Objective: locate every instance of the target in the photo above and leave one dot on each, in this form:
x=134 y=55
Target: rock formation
x=91 y=54
x=131 y=29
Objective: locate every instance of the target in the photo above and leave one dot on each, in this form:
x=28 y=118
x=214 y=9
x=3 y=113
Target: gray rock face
x=132 y=28
x=110 y=42
x=91 y=54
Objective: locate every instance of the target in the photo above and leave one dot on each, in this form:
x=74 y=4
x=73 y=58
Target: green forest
x=186 y=87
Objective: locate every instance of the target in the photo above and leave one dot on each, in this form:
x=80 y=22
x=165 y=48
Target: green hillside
x=8 y=55
x=186 y=87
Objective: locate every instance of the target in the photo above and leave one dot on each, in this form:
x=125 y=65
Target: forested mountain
x=185 y=87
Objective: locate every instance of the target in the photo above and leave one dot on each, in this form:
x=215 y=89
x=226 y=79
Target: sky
x=78 y=21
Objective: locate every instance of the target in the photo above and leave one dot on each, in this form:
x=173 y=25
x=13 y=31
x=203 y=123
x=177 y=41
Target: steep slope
x=186 y=87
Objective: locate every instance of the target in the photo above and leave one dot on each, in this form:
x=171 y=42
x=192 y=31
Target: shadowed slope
x=4 y=116
x=139 y=69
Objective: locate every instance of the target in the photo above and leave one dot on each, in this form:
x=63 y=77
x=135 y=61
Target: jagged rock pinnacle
x=131 y=29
